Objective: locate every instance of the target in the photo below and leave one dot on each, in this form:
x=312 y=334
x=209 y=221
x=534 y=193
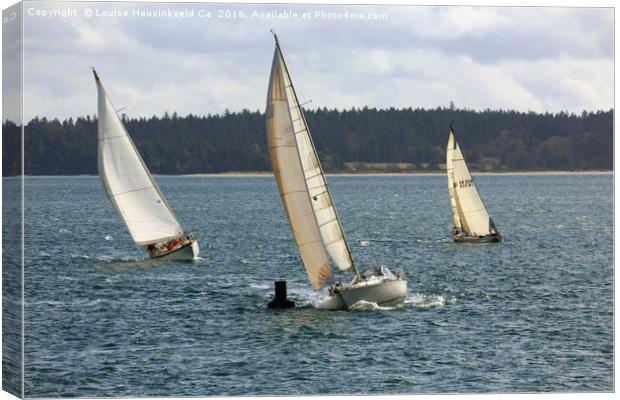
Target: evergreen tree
x=236 y=141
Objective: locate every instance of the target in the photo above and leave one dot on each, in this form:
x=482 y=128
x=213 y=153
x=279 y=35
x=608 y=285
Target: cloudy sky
x=537 y=58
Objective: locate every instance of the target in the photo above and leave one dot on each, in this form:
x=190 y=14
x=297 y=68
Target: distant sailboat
x=133 y=191
x=308 y=203
x=471 y=219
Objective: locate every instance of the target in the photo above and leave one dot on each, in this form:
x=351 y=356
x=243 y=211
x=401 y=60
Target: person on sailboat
x=132 y=189
x=307 y=200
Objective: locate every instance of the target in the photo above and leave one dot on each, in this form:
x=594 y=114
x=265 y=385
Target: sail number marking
x=465 y=183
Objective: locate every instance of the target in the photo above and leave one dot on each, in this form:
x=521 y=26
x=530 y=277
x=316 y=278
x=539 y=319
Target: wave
x=364 y=305
x=260 y=286
x=71 y=303
x=428 y=301
x=113 y=278
x=116 y=259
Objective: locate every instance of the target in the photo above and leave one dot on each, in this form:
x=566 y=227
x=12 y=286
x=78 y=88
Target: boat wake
x=115 y=259
x=306 y=298
x=416 y=301
x=364 y=305
x=428 y=301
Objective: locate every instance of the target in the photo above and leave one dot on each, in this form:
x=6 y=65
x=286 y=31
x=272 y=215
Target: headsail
x=301 y=180
x=127 y=181
x=472 y=213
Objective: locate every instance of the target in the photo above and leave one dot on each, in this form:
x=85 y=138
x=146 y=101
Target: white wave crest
x=259 y=286
x=421 y=300
x=364 y=305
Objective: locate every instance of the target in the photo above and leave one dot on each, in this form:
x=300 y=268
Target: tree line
x=236 y=141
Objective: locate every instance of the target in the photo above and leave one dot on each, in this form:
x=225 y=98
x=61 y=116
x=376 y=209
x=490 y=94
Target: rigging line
x=313 y=176
x=294 y=93
x=292 y=191
x=110 y=138
x=309 y=242
x=300 y=89
x=281 y=145
x=129 y=191
x=329 y=221
x=372 y=248
x=318 y=193
x=318 y=130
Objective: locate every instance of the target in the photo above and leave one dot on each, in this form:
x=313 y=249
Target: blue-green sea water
x=531 y=314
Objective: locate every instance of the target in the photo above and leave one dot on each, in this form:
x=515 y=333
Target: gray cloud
x=541 y=59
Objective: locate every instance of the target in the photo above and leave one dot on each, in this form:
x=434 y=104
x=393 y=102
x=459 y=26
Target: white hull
x=195 y=248
x=388 y=293
x=333 y=302
x=186 y=253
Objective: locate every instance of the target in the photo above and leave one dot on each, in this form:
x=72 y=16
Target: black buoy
x=280 y=300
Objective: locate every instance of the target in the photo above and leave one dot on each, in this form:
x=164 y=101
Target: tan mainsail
x=301 y=181
x=471 y=211
x=451 y=183
x=128 y=182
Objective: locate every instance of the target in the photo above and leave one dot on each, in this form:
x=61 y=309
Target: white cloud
x=567 y=83
x=454 y=22
x=541 y=59
x=421 y=78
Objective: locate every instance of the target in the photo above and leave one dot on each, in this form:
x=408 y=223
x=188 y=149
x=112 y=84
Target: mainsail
x=451 y=183
x=301 y=181
x=127 y=181
x=470 y=210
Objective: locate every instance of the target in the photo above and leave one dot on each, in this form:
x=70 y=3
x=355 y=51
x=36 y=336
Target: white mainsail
x=301 y=181
x=127 y=181
x=471 y=211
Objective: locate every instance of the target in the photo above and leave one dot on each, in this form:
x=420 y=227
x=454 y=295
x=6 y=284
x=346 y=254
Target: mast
x=346 y=242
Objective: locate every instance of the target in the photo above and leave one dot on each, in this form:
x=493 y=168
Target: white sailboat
x=133 y=191
x=308 y=203
x=471 y=220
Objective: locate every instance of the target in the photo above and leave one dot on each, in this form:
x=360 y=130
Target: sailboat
x=133 y=191
x=309 y=206
x=471 y=220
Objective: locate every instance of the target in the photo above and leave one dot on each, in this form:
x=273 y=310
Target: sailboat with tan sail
x=308 y=202
x=471 y=220
x=132 y=190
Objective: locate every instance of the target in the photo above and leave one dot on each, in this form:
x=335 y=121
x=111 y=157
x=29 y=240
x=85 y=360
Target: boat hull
x=478 y=239
x=333 y=302
x=387 y=293
x=187 y=252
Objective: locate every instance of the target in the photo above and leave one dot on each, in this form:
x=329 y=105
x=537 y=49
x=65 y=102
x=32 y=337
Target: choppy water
x=531 y=314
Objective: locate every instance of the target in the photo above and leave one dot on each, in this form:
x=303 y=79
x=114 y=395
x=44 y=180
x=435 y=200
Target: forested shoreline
x=355 y=140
